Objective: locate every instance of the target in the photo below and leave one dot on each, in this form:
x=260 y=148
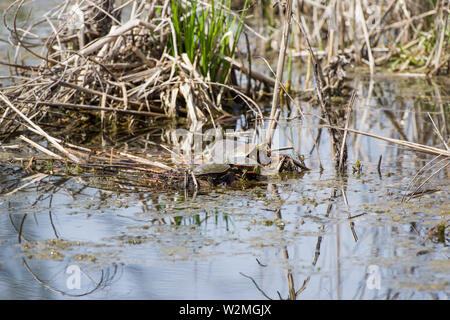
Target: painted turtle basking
x=245 y=166
x=216 y=173
x=211 y=169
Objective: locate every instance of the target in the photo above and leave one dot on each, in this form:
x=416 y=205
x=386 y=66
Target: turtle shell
x=211 y=168
x=224 y=151
x=244 y=162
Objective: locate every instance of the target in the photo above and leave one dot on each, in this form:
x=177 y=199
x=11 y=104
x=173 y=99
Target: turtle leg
x=212 y=181
x=226 y=179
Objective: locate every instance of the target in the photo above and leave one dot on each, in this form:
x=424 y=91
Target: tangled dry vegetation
x=94 y=62
x=136 y=60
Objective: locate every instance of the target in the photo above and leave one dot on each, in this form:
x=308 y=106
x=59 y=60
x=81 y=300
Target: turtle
x=211 y=169
x=245 y=166
x=243 y=162
x=226 y=150
x=216 y=173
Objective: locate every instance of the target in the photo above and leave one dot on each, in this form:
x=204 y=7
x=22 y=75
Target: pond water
x=315 y=235
x=293 y=236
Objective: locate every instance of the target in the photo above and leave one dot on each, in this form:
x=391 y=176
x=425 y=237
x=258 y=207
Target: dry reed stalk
x=332 y=29
x=39 y=130
x=145 y=161
x=41 y=148
x=301 y=114
x=271 y=131
x=366 y=37
x=344 y=138
x=34 y=178
x=347 y=207
x=428 y=166
x=281 y=60
x=270 y=82
x=414 y=146
x=90 y=49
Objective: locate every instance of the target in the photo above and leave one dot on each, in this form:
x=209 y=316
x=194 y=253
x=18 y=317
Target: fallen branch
x=415 y=146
